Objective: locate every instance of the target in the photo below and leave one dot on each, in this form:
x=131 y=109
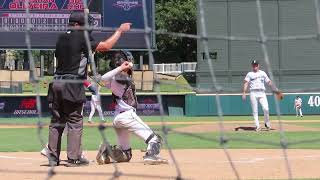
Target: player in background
x=298 y=106
x=126 y=121
x=95 y=104
x=256 y=80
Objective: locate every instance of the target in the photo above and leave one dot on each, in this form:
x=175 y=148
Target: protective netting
x=204 y=38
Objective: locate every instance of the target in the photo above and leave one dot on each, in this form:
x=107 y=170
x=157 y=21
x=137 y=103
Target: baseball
x=130 y=64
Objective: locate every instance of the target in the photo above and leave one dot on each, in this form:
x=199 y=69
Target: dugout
x=295 y=63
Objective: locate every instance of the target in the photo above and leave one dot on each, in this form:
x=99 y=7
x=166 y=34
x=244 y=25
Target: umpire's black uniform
x=66 y=97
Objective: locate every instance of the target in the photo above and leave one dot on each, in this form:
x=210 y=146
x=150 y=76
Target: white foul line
x=23 y=158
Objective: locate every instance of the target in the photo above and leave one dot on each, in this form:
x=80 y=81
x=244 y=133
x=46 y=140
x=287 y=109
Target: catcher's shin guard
x=154 y=142
x=152 y=155
x=153 y=150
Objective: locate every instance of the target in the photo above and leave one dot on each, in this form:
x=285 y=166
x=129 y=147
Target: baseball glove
x=279 y=95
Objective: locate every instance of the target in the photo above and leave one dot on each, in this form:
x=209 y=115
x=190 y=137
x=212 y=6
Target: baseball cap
x=79 y=17
x=254 y=62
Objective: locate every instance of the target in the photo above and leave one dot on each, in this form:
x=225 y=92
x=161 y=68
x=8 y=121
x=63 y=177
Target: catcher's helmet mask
x=120 y=57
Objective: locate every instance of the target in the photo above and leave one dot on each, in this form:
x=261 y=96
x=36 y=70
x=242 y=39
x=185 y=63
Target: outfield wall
x=175 y=104
x=25 y=106
x=205 y=105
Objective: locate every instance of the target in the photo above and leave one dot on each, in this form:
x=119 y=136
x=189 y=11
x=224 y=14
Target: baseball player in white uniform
x=95 y=104
x=256 y=80
x=298 y=106
x=126 y=121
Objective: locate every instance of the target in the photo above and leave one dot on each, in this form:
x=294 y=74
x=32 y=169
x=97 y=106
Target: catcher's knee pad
x=103 y=154
x=154 y=138
x=120 y=155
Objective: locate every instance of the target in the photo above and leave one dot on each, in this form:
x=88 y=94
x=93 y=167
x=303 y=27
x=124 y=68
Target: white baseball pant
x=255 y=97
x=95 y=106
x=127 y=122
x=299 y=110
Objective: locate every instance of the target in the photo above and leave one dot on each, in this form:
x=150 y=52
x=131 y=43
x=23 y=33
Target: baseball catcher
x=126 y=121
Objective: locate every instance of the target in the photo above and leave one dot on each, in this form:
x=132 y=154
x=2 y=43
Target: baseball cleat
x=258 y=129
x=45 y=151
x=53 y=163
x=154 y=160
x=77 y=162
x=267 y=127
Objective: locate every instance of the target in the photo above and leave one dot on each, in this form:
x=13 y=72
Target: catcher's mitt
x=279 y=95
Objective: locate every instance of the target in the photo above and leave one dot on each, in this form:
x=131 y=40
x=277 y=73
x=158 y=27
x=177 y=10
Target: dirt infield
x=202 y=128
x=194 y=164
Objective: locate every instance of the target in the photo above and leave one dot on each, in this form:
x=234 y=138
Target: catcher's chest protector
x=129 y=94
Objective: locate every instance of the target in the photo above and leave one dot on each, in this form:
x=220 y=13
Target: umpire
x=67 y=94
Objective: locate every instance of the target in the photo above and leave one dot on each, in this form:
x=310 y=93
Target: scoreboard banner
x=51 y=5
x=49 y=18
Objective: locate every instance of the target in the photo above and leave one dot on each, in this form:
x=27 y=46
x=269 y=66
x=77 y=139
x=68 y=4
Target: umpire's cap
x=79 y=17
x=254 y=62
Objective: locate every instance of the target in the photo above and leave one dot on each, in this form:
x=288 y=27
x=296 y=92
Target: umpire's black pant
x=65 y=113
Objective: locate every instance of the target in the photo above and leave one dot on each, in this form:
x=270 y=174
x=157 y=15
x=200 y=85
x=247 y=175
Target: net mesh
x=204 y=39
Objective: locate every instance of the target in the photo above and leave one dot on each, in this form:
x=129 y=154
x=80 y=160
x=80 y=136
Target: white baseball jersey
x=117 y=89
x=298 y=102
x=257 y=80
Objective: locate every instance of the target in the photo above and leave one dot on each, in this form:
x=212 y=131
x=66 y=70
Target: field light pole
x=41 y=63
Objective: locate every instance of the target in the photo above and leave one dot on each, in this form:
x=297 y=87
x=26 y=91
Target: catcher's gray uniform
x=126 y=120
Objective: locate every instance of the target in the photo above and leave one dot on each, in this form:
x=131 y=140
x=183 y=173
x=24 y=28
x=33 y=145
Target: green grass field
x=180 y=84
x=165 y=118
x=27 y=139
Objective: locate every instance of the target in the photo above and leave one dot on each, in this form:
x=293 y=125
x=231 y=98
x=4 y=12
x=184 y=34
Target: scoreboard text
x=49 y=18
x=44 y=15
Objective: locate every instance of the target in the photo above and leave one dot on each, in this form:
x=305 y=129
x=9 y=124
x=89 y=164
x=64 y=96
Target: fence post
x=182 y=67
x=163 y=68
